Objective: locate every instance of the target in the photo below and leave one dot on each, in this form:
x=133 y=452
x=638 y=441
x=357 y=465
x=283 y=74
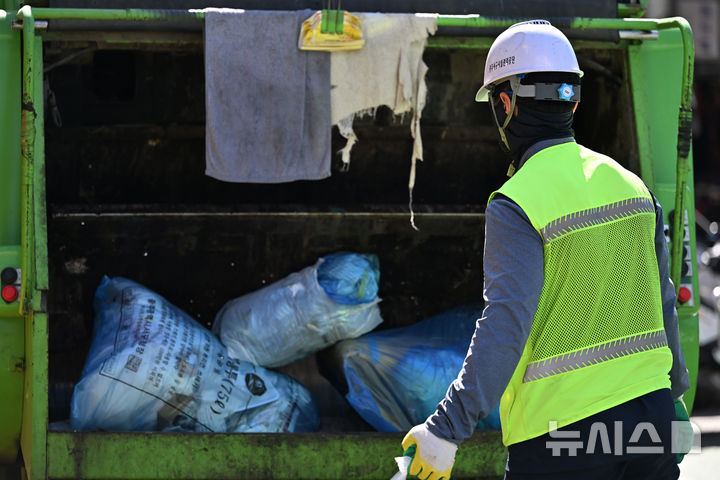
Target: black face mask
x=530 y=127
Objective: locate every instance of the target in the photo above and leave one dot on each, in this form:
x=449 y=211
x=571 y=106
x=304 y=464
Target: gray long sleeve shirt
x=514 y=276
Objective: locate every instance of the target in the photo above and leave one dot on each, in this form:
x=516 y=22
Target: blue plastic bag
x=152 y=367
x=349 y=278
x=397 y=377
x=298 y=316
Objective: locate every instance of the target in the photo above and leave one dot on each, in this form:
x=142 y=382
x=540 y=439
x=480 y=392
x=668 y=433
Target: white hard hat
x=533 y=46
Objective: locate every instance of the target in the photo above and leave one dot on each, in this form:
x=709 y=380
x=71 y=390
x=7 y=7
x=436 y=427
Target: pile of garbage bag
x=309 y=310
x=395 y=378
x=152 y=367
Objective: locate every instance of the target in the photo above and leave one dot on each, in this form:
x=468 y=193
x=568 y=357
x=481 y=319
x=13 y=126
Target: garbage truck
x=103 y=173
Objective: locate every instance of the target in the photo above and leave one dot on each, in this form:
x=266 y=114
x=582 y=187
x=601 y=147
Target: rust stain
x=19 y=365
x=29 y=107
x=685 y=133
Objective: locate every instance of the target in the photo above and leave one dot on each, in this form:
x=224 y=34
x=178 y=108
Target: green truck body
x=639 y=112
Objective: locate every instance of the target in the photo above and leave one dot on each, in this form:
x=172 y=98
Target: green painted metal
x=483 y=43
x=634 y=9
x=34 y=256
x=684 y=142
x=39 y=218
x=9 y=132
x=34 y=433
x=130 y=14
x=35 y=405
x=12 y=372
x=464 y=43
x=657 y=73
x=27 y=145
x=251 y=457
x=688 y=316
x=476 y=21
x=12 y=369
x=12 y=353
x=473 y=21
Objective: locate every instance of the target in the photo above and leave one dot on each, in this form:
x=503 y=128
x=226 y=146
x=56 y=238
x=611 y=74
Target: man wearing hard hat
x=579 y=338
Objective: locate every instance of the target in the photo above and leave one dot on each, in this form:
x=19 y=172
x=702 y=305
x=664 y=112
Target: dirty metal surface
x=366 y=456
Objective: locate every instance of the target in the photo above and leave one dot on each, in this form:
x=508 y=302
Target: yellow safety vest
x=597 y=339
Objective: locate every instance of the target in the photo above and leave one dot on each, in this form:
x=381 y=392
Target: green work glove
x=683 y=433
x=432 y=457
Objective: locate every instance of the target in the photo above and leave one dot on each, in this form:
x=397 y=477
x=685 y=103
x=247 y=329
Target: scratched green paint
x=350 y=456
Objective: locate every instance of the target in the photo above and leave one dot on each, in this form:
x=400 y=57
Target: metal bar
x=35 y=407
x=39 y=236
x=130 y=14
x=615 y=23
x=476 y=21
x=479 y=43
x=168 y=40
x=683 y=144
x=39 y=25
x=353 y=215
x=27 y=146
x=638 y=35
x=473 y=21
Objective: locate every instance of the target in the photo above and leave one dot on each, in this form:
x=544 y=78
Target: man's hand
x=433 y=458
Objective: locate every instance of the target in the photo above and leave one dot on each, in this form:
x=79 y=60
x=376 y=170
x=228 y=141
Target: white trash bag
x=152 y=367
x=333 y=300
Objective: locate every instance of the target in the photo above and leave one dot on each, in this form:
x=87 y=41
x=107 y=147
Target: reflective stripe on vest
x=592 y=355
x=596 y=216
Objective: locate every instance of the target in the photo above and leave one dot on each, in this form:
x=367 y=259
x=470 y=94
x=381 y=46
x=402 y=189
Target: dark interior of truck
x=127 y=195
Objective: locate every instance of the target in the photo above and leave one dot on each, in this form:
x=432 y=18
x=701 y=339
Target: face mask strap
x=514 y=84
x=501 y=130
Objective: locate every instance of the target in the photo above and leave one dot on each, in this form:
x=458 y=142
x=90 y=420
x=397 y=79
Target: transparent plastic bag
x=296 y=316
x=152 y=367
x=395 y=378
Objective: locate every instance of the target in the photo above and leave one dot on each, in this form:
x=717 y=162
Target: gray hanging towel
x=267 y=102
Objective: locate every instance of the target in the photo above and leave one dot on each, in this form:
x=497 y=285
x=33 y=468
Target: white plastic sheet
x=403 y=464
x=295 y=317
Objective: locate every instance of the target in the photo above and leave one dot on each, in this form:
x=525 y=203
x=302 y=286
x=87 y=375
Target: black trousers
x=656 y=467
x=630 y=441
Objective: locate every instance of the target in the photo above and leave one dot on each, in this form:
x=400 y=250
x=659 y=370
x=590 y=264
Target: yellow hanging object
x=323 y=31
